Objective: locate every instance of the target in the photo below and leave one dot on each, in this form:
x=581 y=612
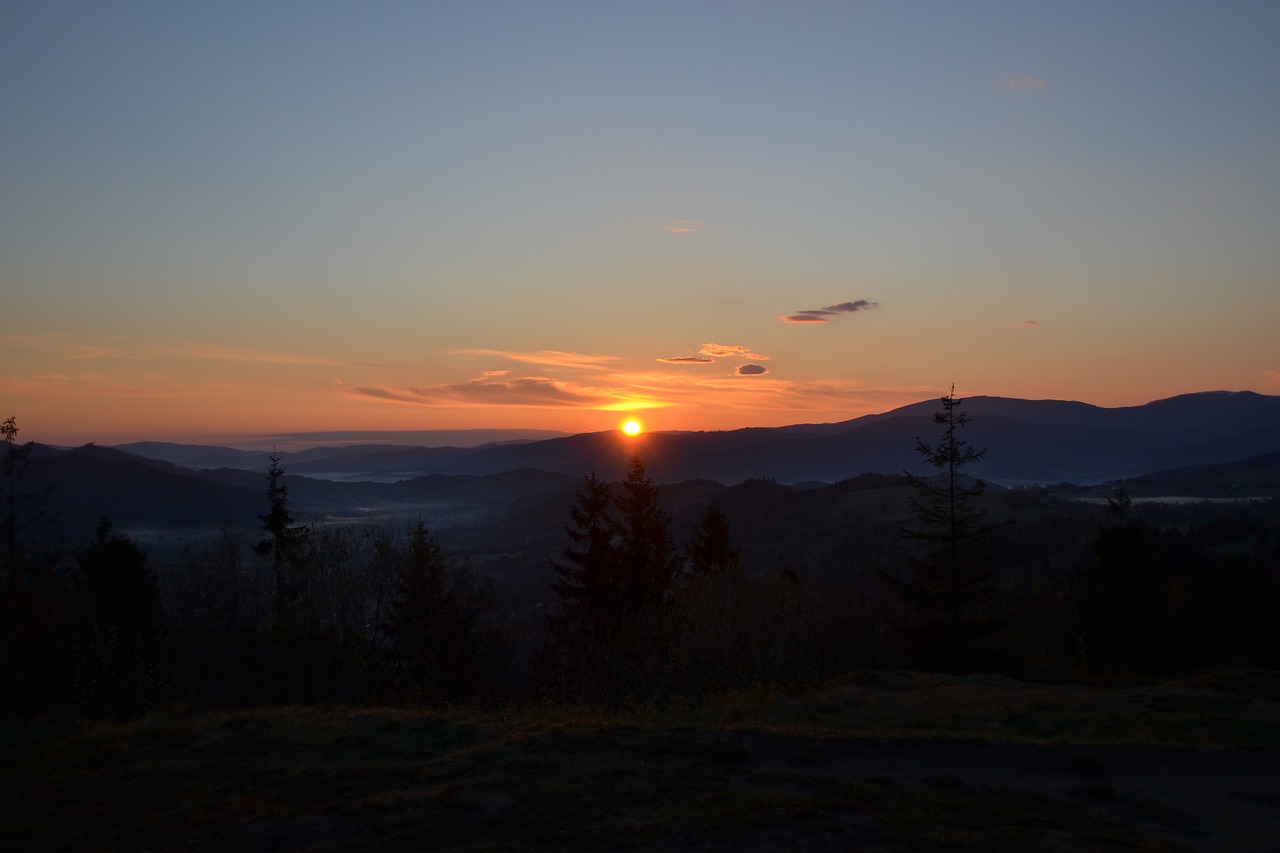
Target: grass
x=1234 y=710
x=894 y=761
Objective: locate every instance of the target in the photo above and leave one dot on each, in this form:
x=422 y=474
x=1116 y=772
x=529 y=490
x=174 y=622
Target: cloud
x=520 y=391
x=117 y=348
x=548 y=358
x=1021 y=82
x=383 y=394
x=87 y=386
x=752 y=370
x=1030 y=323
x=490 y=391
x=687 y=359
x=822 y=315
x=682 y=226
x=726 y=350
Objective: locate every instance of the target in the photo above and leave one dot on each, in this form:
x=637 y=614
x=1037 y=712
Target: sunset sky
x=221 y=220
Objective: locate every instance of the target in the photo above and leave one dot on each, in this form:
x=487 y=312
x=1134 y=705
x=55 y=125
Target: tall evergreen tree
x=588 y=581
x=416 y=621
x=646 y=551
x=22 y=513
x=32 y=597
x=121 y=649
x=711 y=551
x=1122 y=599
x=286 y=545
x=446 y=626
x=15 y=460
x=950 y=586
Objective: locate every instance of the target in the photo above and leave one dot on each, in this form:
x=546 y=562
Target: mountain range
x=1027 y=442
x=1219 y=444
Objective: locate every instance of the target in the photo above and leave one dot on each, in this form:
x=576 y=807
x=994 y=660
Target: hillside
x=874 y=761
x=1047 y=442
x=1029 y=442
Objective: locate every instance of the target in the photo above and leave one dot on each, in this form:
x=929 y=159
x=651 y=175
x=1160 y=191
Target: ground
x=874 y=761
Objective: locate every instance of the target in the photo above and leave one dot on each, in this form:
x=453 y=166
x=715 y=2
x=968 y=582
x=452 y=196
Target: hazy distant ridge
x=1029 y=441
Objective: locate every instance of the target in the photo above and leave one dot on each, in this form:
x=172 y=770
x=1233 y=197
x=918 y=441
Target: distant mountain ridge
x=1212 y=445
x=1028 y=441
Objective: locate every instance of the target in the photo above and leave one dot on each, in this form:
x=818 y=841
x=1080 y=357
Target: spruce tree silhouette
x=645 y=548
x=588 y=580
x=950 y=586
x=287 y=545
x=121 y=650
x=711 y=551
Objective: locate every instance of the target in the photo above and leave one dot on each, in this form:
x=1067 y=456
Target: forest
x=953 y=578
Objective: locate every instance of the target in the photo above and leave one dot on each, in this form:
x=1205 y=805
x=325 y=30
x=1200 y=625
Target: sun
x=632 y=427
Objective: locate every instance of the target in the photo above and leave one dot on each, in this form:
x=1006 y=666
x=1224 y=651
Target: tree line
x=385 y=615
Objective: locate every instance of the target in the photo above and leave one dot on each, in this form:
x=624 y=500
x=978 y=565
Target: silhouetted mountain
x=79 y=486
x=1256 y=477
x=197 y=455
x=1028 y=441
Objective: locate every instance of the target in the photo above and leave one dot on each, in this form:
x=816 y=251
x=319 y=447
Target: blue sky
x=232 y=218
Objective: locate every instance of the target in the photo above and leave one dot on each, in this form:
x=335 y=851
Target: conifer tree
x=22 y=512
x=414 y=620
x=587 y=576
x=711 y=551
x=121 y=651
x=645 y=549
x=32 y=596
x=287 y=544
x=950 y=584
x=15 y=459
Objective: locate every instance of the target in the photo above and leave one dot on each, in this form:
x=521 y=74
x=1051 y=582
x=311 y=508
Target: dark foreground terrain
x=873 y=761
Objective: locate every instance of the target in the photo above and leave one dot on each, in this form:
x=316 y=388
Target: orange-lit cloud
x=749 y=387
x=726 y=350
x=97 y=387
x=1030 y=323
x=119 y=348
x=1021 y=82
x=548 y=358
x=823 y=315
x=491 y=391
x=683 y=226
x=688 y=359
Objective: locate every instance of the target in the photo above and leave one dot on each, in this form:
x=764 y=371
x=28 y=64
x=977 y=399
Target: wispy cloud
x=1030 y=323
x=683 y=226
x=548 y=358
x=1020 y=81
x=727 y=350
x=220 y=352
x=688 y=359
x=823 y=315
x=752 y=370
x=538 y=391
x=117 y=348
x=87 y=386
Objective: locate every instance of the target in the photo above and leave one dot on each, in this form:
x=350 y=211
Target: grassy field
x=873 y=761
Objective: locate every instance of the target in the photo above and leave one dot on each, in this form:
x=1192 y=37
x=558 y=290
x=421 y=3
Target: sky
x=222 y=220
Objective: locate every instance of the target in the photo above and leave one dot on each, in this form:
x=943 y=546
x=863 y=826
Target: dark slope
x=80 y=486
x=1028 y=441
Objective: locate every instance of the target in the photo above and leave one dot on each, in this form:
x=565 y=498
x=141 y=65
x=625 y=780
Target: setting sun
x=632 y=427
